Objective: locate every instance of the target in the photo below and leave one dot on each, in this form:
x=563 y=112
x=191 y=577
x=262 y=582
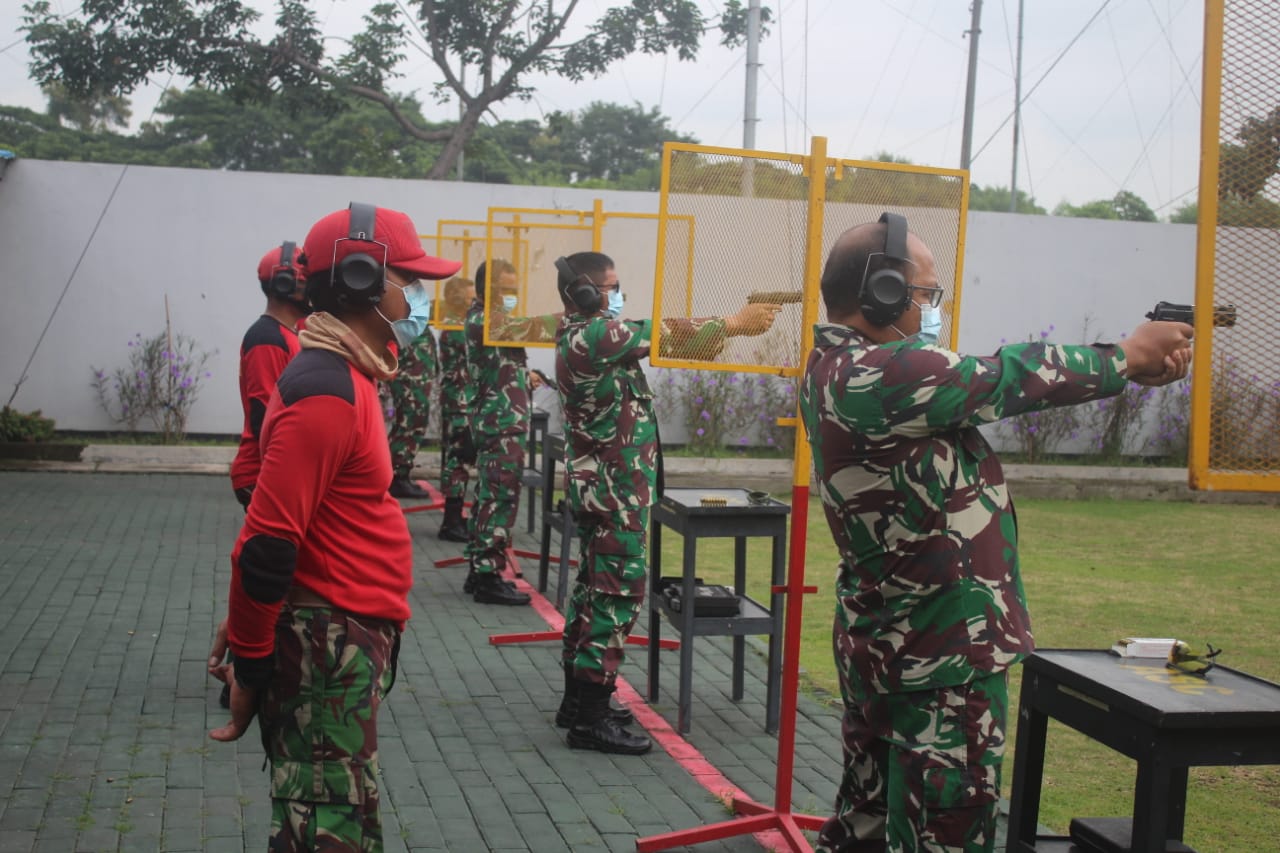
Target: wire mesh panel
x=933 y=202
x=529 y=274
x=465 y=241
x=751 y=210
x=630 y=240
x=1235 y=414
x=711 y=307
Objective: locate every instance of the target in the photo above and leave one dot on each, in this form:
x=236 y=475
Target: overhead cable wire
x=1047 y=72
x=1143 y=138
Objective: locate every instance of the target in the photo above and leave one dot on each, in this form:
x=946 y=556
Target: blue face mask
x=930 y=324
x=509 y=303
x=411 y=328
x=615 y=303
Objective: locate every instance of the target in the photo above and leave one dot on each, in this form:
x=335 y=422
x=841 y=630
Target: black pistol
x=1223 y=315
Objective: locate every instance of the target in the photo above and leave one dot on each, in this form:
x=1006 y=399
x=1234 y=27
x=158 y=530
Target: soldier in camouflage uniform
x=499 y=426
x=611 y=465
x=411 y=396
x=930 y=611
x=455 y=405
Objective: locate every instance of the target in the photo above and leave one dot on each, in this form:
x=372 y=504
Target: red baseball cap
x=330 y=240
x=274 y=261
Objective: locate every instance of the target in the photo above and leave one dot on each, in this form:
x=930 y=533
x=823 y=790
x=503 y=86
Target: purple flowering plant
x=726 y=414
x=160 y=384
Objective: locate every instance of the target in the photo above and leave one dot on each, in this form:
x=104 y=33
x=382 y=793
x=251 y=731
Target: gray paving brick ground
x=110 y=587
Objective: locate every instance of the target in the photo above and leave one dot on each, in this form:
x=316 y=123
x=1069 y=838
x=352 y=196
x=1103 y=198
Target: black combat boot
x=618 y=712
x=402 y=486
x=594 y=728
x=454 y=527
x=490 y=588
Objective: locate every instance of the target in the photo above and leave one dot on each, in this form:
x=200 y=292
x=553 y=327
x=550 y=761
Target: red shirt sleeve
x=304 y=446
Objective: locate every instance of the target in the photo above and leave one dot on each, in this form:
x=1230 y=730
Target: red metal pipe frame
x=760 y=818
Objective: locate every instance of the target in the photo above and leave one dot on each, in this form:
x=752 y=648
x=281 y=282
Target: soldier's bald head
x=848 y=263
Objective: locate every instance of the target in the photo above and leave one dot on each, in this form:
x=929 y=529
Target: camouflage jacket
x=455 y=380
x=610 y=430
x=499 y=381
x=420 y=360
x=929 y=587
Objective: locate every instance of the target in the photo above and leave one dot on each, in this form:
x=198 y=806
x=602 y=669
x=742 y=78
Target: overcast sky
x=1111 y=88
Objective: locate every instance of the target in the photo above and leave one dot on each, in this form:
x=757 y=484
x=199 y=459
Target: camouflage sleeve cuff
x=1116 y=354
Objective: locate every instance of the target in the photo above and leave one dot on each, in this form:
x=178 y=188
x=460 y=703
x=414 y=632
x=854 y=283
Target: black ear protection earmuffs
x=579 y=289
x=884 y=295
x=283 y=279
x=359 y=278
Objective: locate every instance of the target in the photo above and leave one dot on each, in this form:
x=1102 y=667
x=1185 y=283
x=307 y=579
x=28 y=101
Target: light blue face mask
x=411 y=328
x=930 y=324
x=615 y=303
x=509 y=303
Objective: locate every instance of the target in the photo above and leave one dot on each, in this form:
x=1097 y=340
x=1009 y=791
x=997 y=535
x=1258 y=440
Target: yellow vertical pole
x=659 y=266
x=597 y=225
x=1206 y=239
x=954 y=342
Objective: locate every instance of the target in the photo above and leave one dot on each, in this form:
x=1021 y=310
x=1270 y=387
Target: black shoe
x=453 y=527
x=492 y=589
x=403 y=487
x=454 y=533
x=469 y=585
x=594 y=728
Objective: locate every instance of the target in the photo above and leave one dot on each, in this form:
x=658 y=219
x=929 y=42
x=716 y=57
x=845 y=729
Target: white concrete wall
x=91 y=251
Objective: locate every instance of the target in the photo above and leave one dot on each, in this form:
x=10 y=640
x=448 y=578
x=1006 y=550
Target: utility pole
x=749 y=118
x=1017 y=116
x=966 y=144
x=462 y=111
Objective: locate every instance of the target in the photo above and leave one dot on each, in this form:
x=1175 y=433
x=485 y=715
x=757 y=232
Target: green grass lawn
x=1095 y=571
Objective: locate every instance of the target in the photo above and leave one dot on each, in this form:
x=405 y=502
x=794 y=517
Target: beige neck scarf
x=327 y=332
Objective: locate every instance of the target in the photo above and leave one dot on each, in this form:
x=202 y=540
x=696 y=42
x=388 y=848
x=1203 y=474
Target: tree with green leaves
x=483 y=50
x=91 y=112
x=997 y=199
x=1124 y=205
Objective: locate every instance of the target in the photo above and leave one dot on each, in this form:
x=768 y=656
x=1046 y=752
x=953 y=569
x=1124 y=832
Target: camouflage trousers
x=607 y=593
x=458 y=453
x=411 y=397
x=499 y=464
x=921 y=769
x=319 y=724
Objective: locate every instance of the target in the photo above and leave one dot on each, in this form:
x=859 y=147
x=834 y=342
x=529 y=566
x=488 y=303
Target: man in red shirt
x=323 y=566
x=267 y=347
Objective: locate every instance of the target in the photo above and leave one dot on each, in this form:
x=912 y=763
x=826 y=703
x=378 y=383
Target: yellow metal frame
x=604 y=216
x=1200 y=476
x=516 y=224
x=815 y=217
x=664 y=196
x=442 y=226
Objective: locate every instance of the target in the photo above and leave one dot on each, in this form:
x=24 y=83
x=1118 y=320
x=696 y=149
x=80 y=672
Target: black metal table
x=1166 y=721
x=558 y=518
x=531 y=477
x=684 y=512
